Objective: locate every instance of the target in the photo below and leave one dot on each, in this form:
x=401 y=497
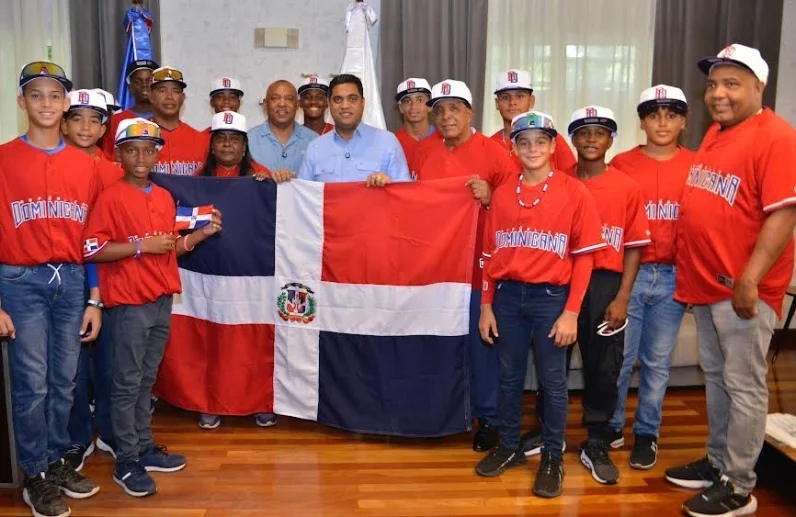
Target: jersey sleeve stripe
x=780 y=204
x=635 y=244
x=588 y=249
x=92 y=253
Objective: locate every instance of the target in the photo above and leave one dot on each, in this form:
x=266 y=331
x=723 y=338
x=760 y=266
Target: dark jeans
x=138 y=335
x=523 y=310
x=46 y=304
x=94 y=370
x=484 y=369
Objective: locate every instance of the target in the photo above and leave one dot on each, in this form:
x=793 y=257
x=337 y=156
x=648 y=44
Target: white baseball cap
x=513 y=80
x=410 y=86
x=592 y=116
x=451 y=89
x=532 y=120
x=139 y=129
x=228 y=121
x=110 y=100
x=739 y=55
x=313 y=82
x=88 y=99
x=659 y=95
x=225 y=84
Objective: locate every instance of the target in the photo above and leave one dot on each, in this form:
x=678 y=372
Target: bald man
x=279 y=143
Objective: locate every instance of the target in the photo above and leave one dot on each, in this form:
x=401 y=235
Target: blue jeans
x=484 y=369
x=46 y=304
x=523 y=310
x=94 y=368
x=651 y=334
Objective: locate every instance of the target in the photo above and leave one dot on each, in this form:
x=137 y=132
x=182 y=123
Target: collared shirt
x=331 y=159
x=267 y=150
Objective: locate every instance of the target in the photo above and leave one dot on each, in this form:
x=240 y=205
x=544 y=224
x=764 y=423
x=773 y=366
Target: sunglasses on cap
x=167 y=74
x=141 y=131
x=47 y=69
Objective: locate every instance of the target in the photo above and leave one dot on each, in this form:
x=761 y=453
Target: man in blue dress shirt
x=353 y=151
x=279 y=143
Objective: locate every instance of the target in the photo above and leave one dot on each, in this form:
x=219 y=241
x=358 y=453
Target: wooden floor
x=300 y=469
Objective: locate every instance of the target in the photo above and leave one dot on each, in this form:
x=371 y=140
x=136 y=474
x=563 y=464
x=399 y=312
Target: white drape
x=26 y=29
x=579 y=52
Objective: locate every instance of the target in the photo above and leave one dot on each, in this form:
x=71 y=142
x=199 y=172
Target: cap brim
x=675 y=105
x=66 y=83
x=134 y=70
x=239 y=92
x=105 y=114
x=410 y=91
x=181 y=83
x=513 y=88
x=706 y=63
x=217 y=130
x=321 y=87
x=607 y=123
x=430 y=103
x=549 y=130
x=158 y=141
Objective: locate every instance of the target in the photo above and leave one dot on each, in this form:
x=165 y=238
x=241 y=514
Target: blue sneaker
x=157 y=459
x=209 y=421
x=265 y=419
x=133 y=478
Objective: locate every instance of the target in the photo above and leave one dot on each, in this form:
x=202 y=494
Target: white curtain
x=27 y=27
x=578 y=52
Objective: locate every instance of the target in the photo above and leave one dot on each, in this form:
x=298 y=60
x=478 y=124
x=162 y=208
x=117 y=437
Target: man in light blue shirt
x=353 y=151
x=280 y=143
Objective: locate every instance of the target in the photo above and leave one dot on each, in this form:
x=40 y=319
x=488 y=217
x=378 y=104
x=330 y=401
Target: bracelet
x=185 y=244
x=95 y=303
x=138 y=249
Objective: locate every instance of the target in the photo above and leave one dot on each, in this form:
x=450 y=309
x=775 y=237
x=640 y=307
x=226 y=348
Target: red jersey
x=561 y=160
x=45 y=200
x=234 y=172
x=478 y=156
x=409 y=144
x=109 y=138
x=108 y=172
x=740 y=175
x=185 y=151
x=621 y=207
x=536 y=245
x=124 y=213
x=662 y=184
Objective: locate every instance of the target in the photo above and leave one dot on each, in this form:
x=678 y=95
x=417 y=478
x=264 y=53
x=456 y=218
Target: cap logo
x=82 y=97
x=313 y=80
x=660 y=93
x=445 y=89
x=591 y=112
x=43 y=70
x=512 y=76
x=728 y=51
x=410 y=84
x=226 y=82
x=227 y=118
x=145 y=132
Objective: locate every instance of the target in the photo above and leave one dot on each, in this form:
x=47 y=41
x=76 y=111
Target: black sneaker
x=549 y=476
x=615 y=439
x=486 y=437
x=594 y=456
x=76 y=455
x=720 y=500
x=696 y=475
x=41 y=494
x=644 y=455
x=498 y=461
x=72 y=483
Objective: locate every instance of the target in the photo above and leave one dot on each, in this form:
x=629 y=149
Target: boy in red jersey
x=46 y=190
x=514 y=95
x=186 y=148
x=660 y=167
x=131 y=235
x=138 y=76
x=604 y=313
x=460 y=150
x=538 y=243
x=734 y=264
x=412 y=97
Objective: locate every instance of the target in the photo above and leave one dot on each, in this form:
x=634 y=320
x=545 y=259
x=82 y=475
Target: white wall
x=207 y=39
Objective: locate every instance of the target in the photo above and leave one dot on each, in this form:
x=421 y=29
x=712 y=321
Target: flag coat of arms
x=192 y=217
x=330 y=302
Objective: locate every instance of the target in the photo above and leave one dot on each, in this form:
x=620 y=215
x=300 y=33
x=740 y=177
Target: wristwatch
x=94 y=303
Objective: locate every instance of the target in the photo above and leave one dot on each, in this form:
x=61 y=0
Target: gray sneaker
x=42 y=496
x=72 y=483
x=594 y=456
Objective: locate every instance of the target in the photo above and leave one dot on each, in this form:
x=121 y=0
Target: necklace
x=538 y=199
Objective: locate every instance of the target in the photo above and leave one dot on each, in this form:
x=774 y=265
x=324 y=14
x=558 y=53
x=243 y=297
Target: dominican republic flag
x=337 y=303
x=191 y=217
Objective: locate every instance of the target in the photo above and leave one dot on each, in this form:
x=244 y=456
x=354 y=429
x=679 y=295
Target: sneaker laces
x=64 y=472
x=718 y=491
x=597 y=452
x=72 y=449
x=45 y=487
x=549 y=465
x=159 y=450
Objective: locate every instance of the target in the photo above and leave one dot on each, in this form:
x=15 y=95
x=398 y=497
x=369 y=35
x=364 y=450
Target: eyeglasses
x=166 y=74
x=45 y=68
